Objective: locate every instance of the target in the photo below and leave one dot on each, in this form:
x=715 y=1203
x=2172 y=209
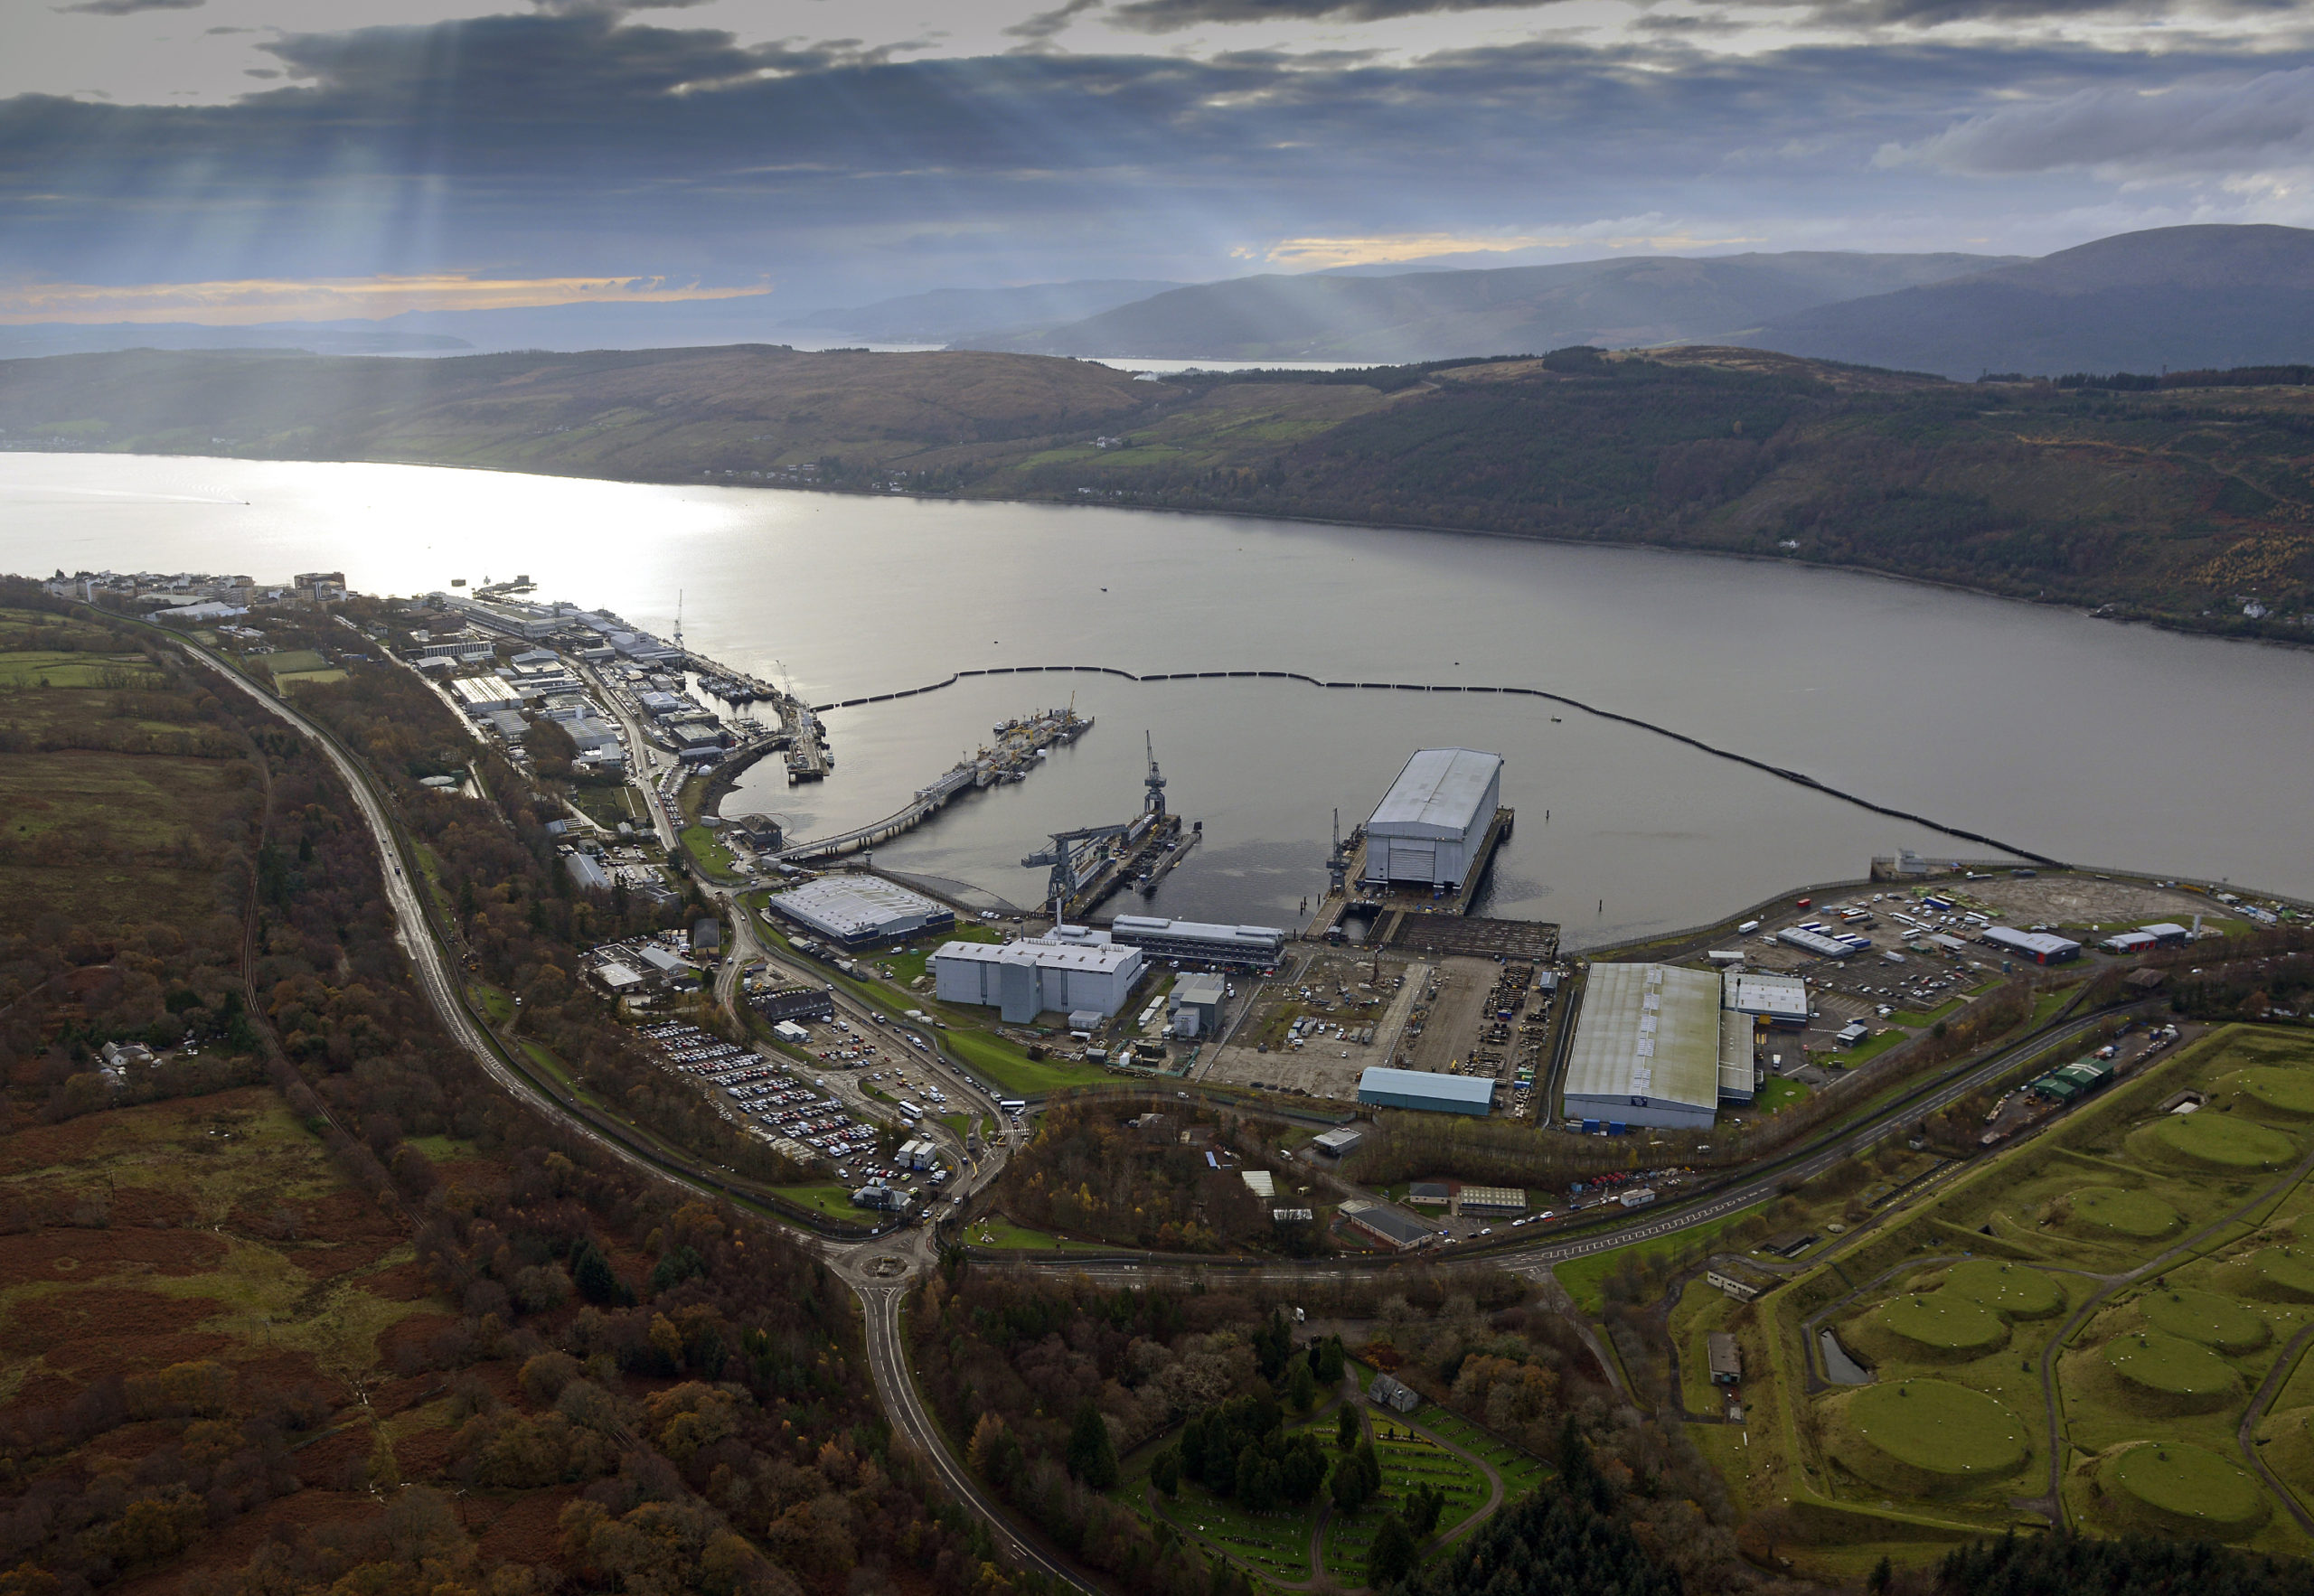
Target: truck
x=1639 y=1197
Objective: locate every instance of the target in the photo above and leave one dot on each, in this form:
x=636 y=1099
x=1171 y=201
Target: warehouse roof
x=1105 y=957
x=1418 y=1083
x=853 y=906
x=1437 y=794
x=1755 y=991
x=1648 y=1031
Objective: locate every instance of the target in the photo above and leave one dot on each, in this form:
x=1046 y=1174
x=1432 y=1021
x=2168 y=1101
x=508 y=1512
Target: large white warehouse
x=1429 y=826
x=1646 y=1048
x=1062 y=974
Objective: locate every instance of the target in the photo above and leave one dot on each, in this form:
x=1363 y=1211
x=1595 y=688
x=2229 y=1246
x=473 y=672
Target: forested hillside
x=2183 y=496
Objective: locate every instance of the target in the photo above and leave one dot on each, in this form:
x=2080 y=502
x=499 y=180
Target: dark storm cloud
x=130 y=7
x=582 y=143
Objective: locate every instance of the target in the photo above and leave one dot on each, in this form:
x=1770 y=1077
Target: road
x=880 y=1271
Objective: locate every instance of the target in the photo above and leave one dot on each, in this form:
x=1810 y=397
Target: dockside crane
x=1073 y=859
x=1155 y=804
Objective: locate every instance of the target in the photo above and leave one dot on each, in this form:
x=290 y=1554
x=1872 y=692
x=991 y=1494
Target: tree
x=1882 y=1572
x=1300 y=1384
x=1422 y=1511
x=1091 y=1453
x=1165 y=1471
x=1355 y=1480
x=1392 y=1556
x=1330 y=1359
x=1347 y=1429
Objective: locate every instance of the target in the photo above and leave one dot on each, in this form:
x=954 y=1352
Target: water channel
x=2079 y=739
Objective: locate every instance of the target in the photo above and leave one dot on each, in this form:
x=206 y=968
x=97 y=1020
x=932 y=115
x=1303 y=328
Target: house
x=1395 y=1394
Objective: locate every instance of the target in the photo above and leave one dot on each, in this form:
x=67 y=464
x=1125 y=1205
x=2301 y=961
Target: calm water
x=2077 y=739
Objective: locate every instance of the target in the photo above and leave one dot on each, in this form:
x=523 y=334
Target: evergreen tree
x=1330 y=1361
x=1091 y=1454
x=1300 y=1384
x=1165 y=1471
x=1347 y=1429
x=1391 y=1558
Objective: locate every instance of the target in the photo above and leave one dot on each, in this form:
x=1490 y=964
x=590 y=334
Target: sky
x=233 y=160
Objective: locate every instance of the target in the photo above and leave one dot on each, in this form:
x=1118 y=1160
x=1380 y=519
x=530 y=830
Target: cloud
x=240 y=303
x=130 y=7
x=1044 y=26
x=545 y=147
x=1654 y=233
x=1168 y=16
x=2191 y=128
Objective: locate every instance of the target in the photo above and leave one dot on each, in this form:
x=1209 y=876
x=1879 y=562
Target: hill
x=2186 y=502
x=947 y=315
x=1426 y=315
x=2167 y=298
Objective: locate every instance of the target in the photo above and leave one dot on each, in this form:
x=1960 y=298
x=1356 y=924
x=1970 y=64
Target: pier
x=1019 y=745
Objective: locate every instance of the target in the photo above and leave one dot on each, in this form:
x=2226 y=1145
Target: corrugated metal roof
x=1419 y=1083
x=1441 y=788
x=1648 y=1030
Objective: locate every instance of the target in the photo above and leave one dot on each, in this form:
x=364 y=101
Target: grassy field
x=832 y=1197
x=1781 y=1092
x=1002 y=1232
x=1969 y=1289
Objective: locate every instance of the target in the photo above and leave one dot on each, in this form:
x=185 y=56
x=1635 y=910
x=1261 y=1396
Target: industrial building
x=479 y=695
x=859 y=910
x=796 y=1002
x=1430 y=826
x=1338 y=1143
x=1063 y=974
x=1426 y=1090
x=2040 y=947
x=1780 y=1000
x=1393 y=1227
x=1195 y=1002
x=1248 y=946
x=1646 y=1049
x=587 y=871
x=1819 y=944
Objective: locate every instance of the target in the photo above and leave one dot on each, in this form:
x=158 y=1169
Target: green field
x=1780 y=1092
x=1944 y=1322
x=2214 y=1321
x=2170 y=1365
x=1002 y=1232
x=832 y=1197
x=2281 y=1091
x=2185 y=1488
x=1930 y=1430
x=2174 y=1282
x=2134 y=1213
x=2217 y=1141
x=2013 y=1291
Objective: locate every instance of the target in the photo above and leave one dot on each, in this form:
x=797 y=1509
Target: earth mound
x=2013 y=1291
x=2207 y=1318
x=2185 y=1488
x=1929 y=1437
x=2175 y=1374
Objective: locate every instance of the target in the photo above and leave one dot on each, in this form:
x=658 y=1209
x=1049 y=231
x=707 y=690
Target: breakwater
x=1781 y=773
